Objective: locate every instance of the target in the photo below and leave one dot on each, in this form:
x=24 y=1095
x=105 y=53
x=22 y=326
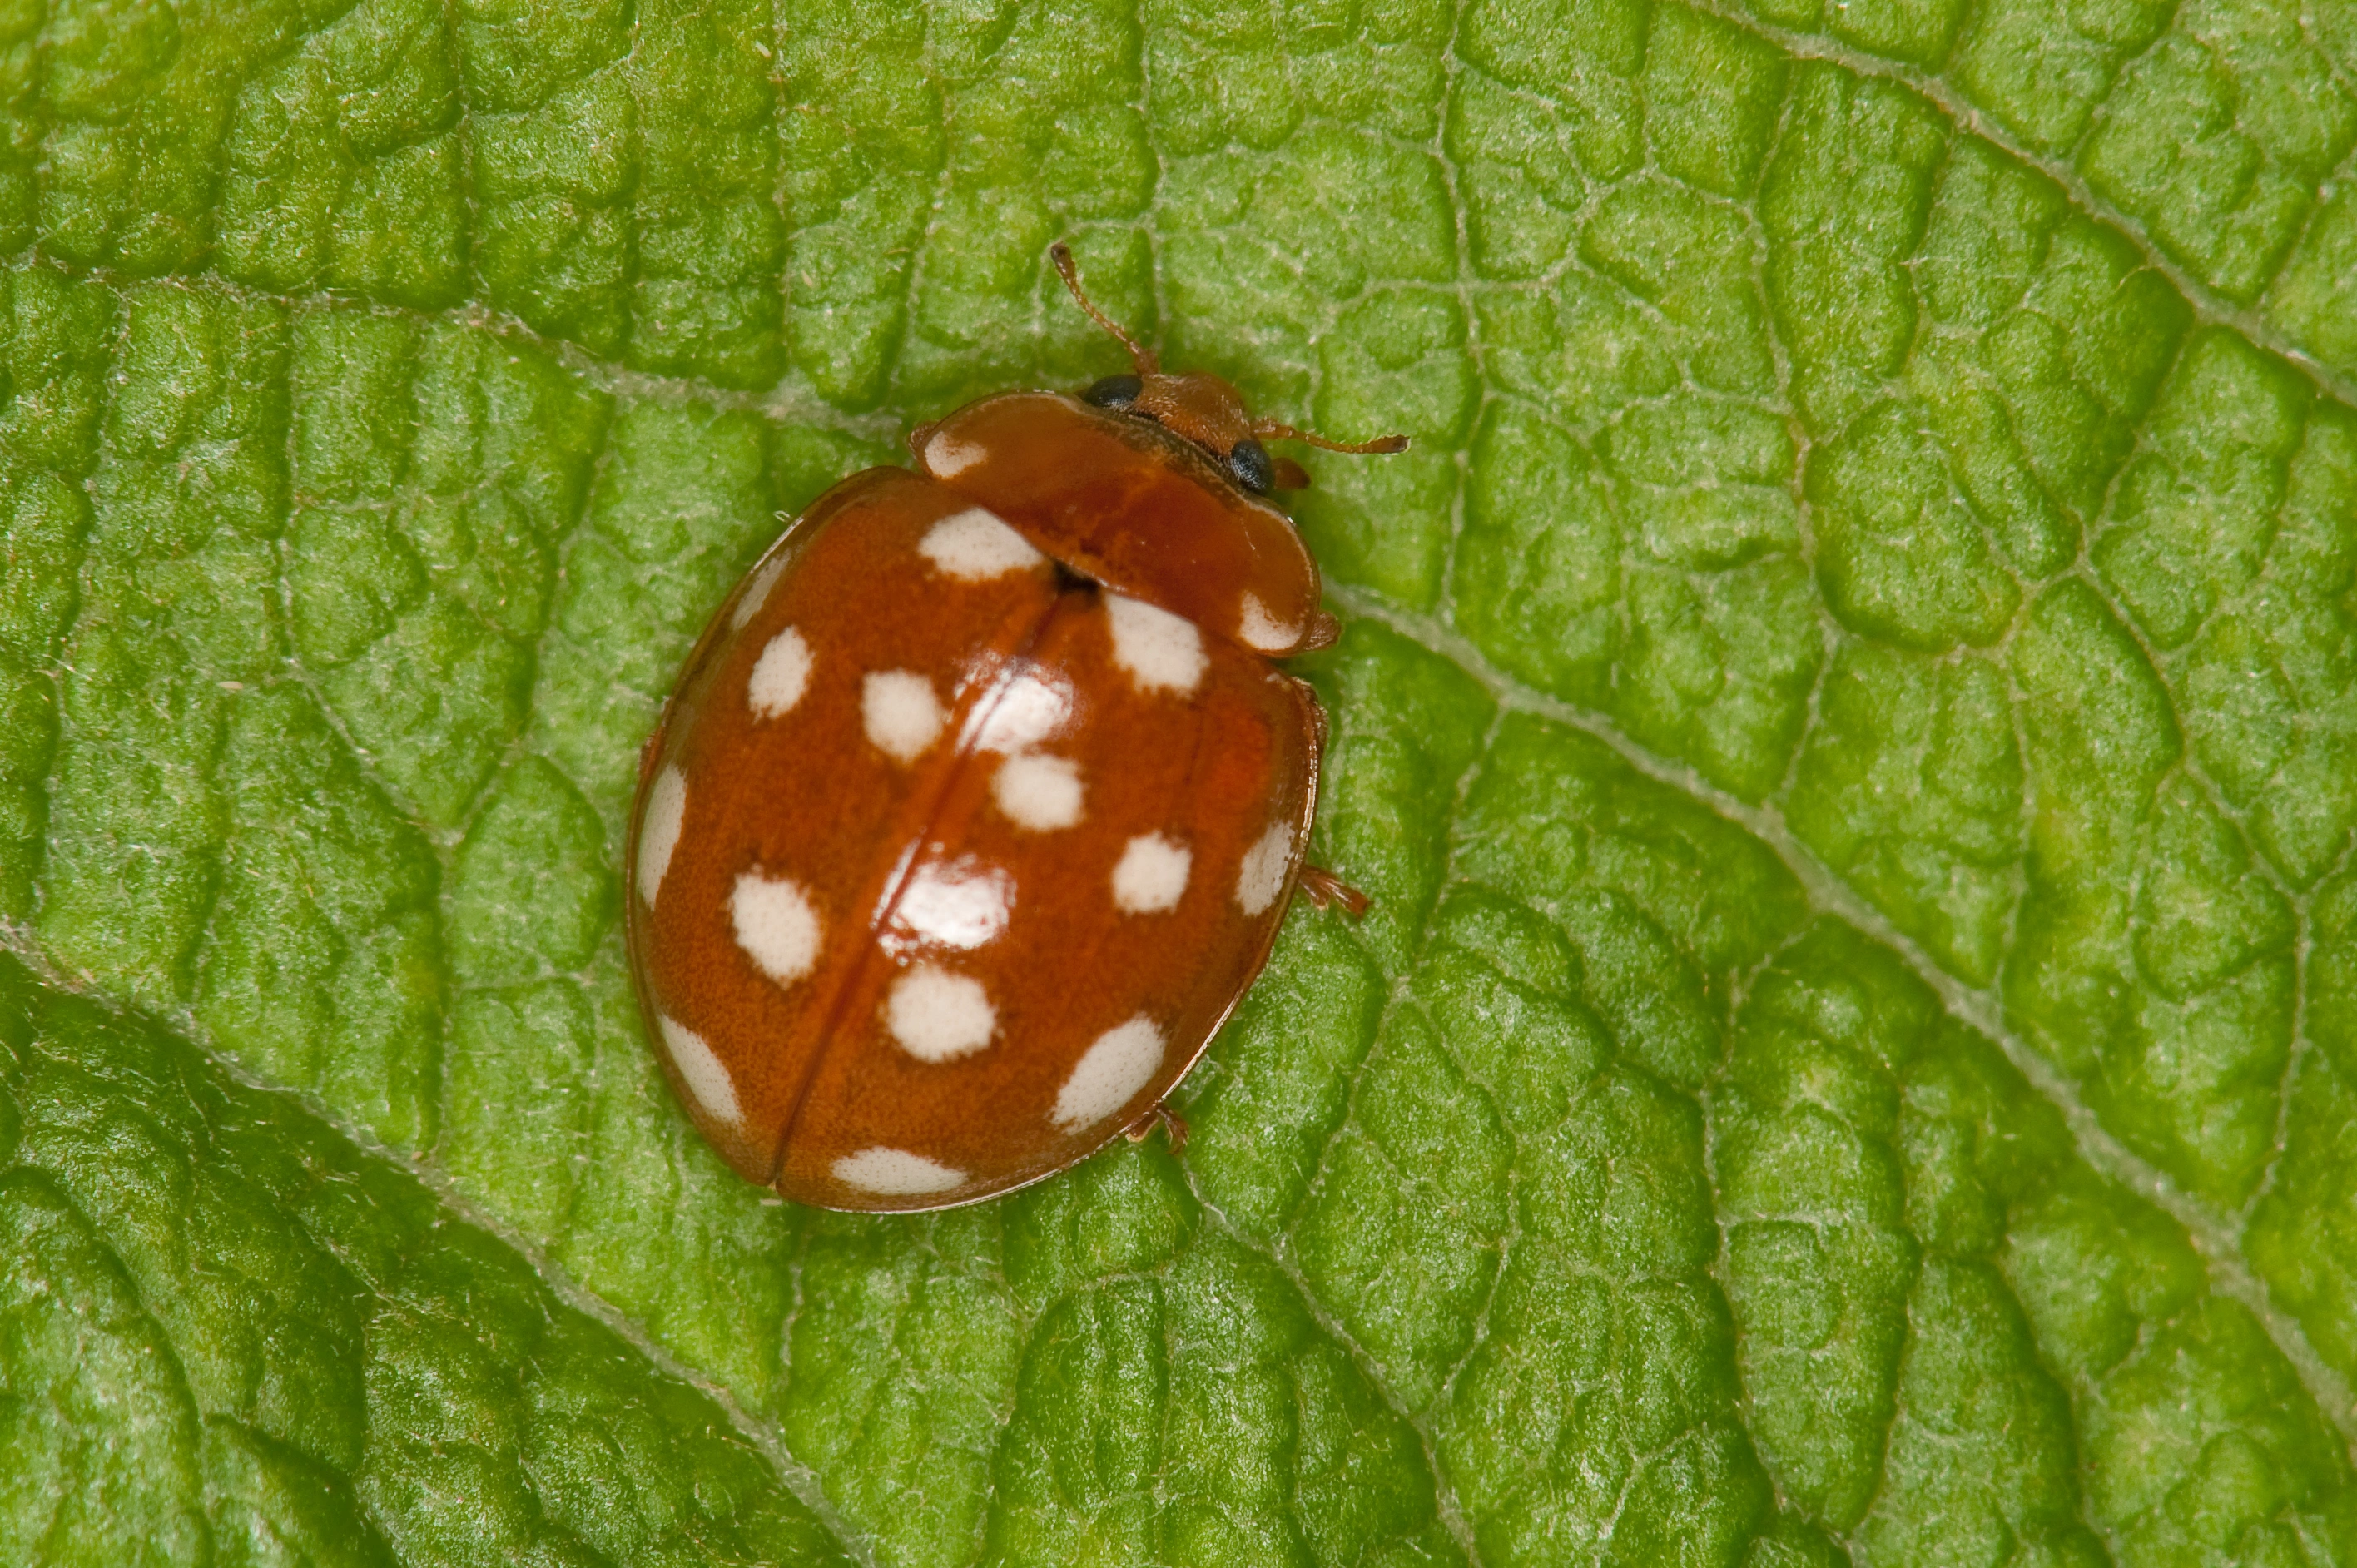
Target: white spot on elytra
x=896 y=1173
x=975 y=546
x=779 y=676
x=946 y=457
x=1262 y=630
x=1029 y=709
x=757 y=593
x=705 y=1075
x=901 y=714
x=938 y=1016
x=1123 y=1060
x=1152 y=875
x=659 y=830
x=1160 y=650
x=1038 y=792
x=961 y=903
x=1262 y=875
x=775 y=925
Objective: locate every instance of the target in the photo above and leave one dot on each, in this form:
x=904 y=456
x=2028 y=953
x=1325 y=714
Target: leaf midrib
x=1969 y=119
x=19 y=941
x=2213 y=1235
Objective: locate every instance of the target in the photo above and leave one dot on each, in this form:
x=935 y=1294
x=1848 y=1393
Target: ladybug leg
x=1171 y=1123
x=1325 y=890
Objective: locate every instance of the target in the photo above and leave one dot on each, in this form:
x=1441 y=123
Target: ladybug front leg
x=1325 y=891
x=1159 y=1114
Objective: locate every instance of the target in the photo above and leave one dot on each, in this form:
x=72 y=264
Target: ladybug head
x=1200 y=407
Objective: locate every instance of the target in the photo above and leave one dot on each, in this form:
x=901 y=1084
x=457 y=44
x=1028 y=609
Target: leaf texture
x=1848 y=715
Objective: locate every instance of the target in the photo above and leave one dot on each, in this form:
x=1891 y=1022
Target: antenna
x=1140 y=355
x=1380 y=445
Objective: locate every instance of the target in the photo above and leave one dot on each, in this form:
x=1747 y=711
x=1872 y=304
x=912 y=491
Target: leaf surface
x=1848 y=715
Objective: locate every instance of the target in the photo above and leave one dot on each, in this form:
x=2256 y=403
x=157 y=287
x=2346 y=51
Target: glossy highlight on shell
x=971 y=815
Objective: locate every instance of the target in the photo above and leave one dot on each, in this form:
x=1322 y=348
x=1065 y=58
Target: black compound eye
x=1113 y=391
x=1248 y=461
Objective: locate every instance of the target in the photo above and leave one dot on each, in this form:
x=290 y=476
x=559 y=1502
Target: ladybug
x=976 y=807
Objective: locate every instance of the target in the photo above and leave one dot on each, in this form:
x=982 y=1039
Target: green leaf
x=1848 y=715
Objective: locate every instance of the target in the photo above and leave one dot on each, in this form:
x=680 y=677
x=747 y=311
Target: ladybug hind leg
x=1159 y=1114
x=1327 y=891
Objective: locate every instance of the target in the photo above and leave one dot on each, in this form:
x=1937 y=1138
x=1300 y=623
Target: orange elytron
x=977 y=805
